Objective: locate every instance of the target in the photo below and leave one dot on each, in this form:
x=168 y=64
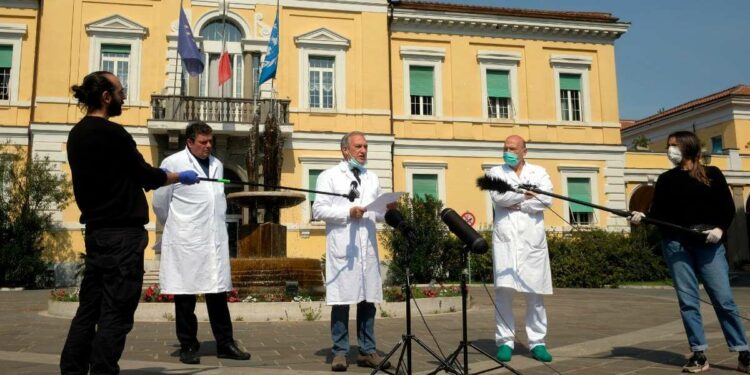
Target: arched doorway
x=234 y=212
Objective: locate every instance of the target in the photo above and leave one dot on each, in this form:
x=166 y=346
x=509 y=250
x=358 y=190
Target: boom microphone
x=471 y=238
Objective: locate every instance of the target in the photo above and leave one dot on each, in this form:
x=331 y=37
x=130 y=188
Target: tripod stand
x=464 y=346
x=406 y=341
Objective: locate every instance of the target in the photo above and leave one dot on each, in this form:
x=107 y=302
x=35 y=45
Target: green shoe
x=541 y=354
x=504 y=352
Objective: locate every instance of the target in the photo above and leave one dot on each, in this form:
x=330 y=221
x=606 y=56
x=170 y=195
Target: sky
x=675 y=50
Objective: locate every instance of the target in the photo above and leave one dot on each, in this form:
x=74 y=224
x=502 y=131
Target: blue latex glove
x=188 y=177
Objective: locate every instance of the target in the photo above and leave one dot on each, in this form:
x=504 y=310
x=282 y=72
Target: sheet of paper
x=379 y=205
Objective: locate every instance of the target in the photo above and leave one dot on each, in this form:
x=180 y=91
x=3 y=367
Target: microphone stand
x=351 y=196
x=408 y=337
x=465 y=344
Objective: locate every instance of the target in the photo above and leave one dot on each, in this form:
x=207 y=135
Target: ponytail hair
x=690 y=146
x=89 y=93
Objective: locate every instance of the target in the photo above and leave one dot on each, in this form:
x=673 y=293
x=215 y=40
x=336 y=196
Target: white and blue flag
x=268 y=68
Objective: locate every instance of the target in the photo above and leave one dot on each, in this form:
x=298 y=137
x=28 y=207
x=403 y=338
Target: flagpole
x=177 y=62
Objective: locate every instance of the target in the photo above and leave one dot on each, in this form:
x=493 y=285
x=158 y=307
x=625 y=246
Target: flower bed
x=431 y=300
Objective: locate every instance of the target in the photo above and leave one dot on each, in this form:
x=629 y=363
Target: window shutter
x=570 y=82
x=313 y=181
x=580 y=188
x=6 y=56
x=421 y=80
x=424 y=185
x=116 y=48
x=497 y=84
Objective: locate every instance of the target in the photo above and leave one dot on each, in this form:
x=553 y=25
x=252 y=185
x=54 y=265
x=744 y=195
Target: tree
x=30 y=191
x=433 y=252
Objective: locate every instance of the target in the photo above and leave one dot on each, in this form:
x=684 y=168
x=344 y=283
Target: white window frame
x=590 y=172
x=114 y=61
x=117 y=29
x=320 y=72
x=310 y=163
x=12 y=34
x=214 y=47
x=324 y=43
x=573 y=64
x=425 y=167
x=505 y=61
x=424 y=56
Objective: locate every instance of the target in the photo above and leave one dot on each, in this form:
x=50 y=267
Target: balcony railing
x=236 y=110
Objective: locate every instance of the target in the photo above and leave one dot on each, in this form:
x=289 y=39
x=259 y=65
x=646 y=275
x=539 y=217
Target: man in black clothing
x=109 y=176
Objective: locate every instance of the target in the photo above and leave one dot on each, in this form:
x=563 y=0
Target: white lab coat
x=194 y=245
x=352 y=262
x=519 y=243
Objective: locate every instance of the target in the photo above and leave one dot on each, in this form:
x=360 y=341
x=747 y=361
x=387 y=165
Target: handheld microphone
x=394 y=218
x=471 y=238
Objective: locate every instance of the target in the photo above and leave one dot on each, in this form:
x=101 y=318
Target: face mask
x=353 y=163
x=510 y=158
x=674 y=154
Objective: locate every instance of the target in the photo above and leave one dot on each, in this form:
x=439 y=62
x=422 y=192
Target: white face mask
x=674 y=154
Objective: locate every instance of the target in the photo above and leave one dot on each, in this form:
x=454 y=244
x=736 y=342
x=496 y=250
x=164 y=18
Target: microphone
x=353 y=192
x=393 y=218
x=471 y=238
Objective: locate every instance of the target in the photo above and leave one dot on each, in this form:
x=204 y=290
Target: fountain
x=261 y=266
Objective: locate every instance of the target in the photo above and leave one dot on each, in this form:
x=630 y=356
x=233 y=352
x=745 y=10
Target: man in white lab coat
x=520 y=256
x=194 y=246
x=352 y=262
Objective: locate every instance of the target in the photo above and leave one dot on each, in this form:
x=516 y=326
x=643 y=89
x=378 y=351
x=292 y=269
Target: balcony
x=212 y=110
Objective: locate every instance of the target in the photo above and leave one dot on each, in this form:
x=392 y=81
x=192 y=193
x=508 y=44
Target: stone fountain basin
x=263 y=199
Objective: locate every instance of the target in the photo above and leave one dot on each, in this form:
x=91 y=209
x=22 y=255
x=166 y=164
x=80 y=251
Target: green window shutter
x=6 y=56
x=424 y=185
x=116 y=48
x=570 y=82
x=580 y=188
x=313 y=181
x=497 y=84
x=421 y=80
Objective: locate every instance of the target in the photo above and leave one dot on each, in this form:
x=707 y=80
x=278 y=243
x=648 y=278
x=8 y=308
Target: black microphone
x=471 y=238
x=393 y=218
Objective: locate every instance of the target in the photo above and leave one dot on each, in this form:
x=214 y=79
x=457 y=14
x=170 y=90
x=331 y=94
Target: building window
x=498 y=94
x=421 y=90
x=321 y=83
x=424 y=185
x=580 y=188
x=570 y=97
x=215 y=30
x=6 y=62
x=312 y=181
x=717 y=145
x=220 y=36
x=115 y=58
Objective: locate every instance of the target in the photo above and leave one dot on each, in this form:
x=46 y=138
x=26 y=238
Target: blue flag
x=268 y=69
x=191 y=56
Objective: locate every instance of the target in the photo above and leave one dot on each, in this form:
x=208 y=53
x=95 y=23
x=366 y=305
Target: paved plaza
x=592 y=331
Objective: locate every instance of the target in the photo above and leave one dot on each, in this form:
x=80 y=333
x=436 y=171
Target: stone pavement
x=592 y=331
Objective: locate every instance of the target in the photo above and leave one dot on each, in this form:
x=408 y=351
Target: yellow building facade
x=436 y=87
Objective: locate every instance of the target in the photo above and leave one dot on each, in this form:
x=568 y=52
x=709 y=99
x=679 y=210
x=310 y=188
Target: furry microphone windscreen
x=494 y=184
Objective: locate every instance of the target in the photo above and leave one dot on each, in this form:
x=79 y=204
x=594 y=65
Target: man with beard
x=109 y=176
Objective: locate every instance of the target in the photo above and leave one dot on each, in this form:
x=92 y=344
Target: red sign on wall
x=469 y=218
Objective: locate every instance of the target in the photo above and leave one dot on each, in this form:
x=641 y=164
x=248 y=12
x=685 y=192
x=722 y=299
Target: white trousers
x=536 y=318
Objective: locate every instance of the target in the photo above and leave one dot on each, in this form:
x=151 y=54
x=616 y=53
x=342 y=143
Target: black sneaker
x=697 y=363
x=743 y=362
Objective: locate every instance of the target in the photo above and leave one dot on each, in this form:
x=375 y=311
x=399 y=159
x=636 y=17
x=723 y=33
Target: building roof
x=511 y=12
x=739 y=90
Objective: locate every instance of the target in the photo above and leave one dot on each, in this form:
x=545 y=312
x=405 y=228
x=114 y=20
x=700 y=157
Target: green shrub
x=597 y=258
x=30 y=191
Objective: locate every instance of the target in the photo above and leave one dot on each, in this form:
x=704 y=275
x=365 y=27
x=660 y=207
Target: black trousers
x=109 y=295
x=187 y=322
